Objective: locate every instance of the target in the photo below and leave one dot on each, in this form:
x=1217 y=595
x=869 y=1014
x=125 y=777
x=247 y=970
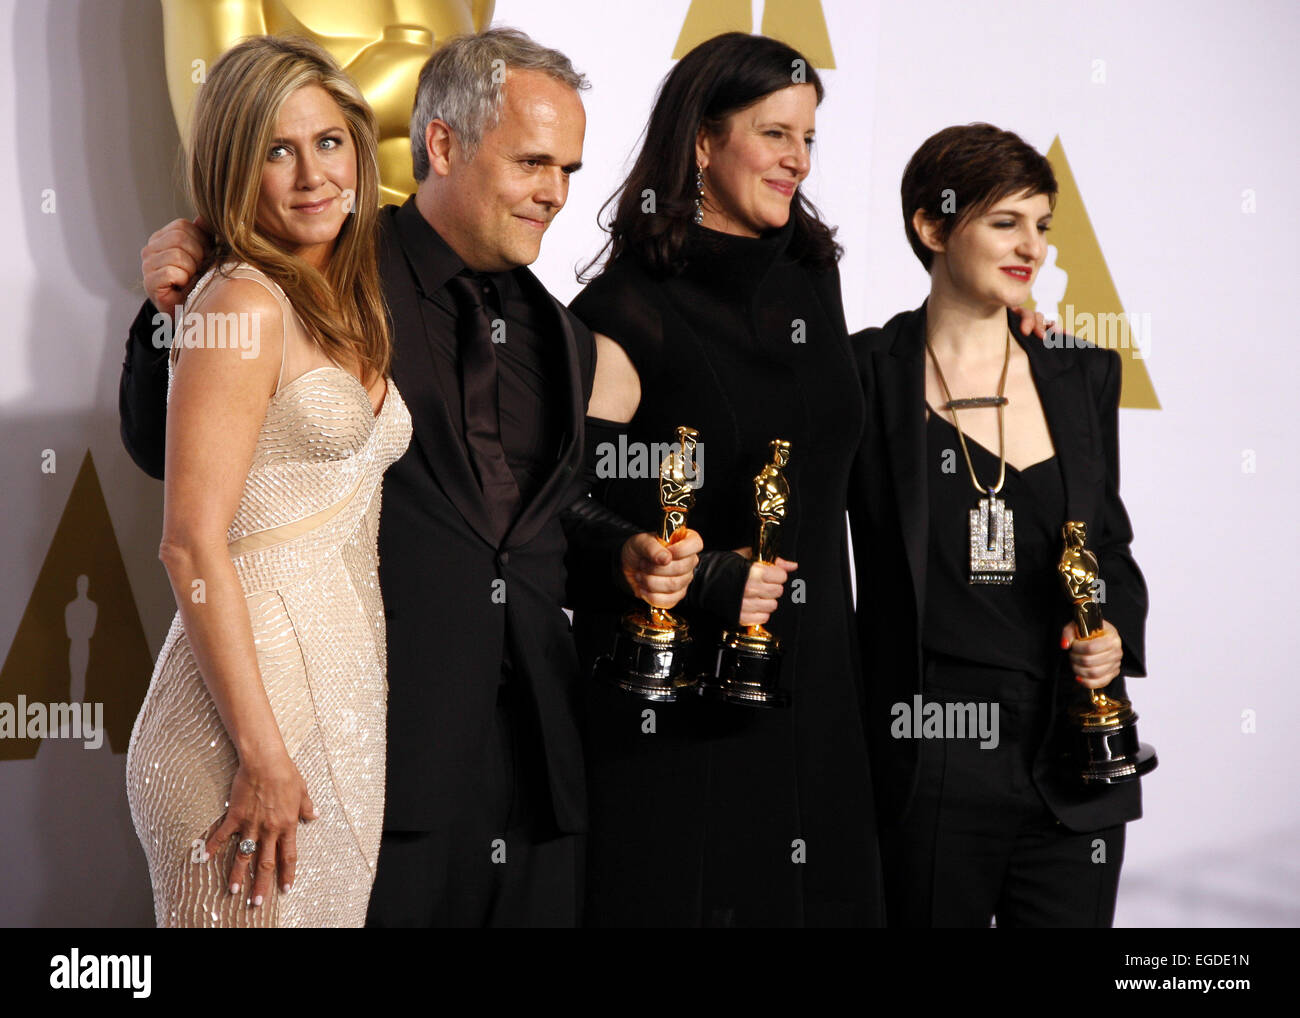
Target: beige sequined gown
x=303 y=543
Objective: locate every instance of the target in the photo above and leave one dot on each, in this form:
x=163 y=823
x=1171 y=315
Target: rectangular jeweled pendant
x=992 y=542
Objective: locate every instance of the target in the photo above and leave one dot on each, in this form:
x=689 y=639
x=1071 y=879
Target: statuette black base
x=649 y=668
x=747 y=671
x=1107 y=746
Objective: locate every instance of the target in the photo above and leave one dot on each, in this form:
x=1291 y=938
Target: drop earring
x=699 y=195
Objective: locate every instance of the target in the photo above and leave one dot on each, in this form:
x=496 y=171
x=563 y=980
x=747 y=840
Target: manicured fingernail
x=1077 y=679
x=1065 y=643
x=284 y=888
x=257 y=901
x=234 y=888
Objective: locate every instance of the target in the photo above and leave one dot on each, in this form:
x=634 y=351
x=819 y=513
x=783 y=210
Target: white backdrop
x=1194 y=111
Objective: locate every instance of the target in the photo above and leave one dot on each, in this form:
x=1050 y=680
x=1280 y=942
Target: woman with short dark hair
x=979 y=446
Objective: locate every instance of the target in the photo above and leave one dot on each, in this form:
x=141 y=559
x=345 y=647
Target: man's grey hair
x=463 y=83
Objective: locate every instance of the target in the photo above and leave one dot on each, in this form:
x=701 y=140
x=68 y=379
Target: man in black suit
x=485 y=791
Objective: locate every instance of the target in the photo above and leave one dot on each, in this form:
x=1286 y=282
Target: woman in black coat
x=719 y=309
x=991 y=823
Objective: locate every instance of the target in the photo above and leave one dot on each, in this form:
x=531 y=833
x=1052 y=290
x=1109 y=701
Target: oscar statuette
x=748 y=666
x=1108 y=750
x=650 y=647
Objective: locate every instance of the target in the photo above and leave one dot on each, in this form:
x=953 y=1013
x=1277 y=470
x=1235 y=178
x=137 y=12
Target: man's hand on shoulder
x=1032 y=321
x=170 y=260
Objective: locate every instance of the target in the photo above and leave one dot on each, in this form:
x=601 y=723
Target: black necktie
x=480 y=403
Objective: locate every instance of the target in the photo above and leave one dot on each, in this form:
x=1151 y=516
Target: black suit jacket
x=1079 y=386
x=458 y=601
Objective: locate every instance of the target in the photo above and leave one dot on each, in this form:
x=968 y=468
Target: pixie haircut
x=463 y=84
x=962 y=172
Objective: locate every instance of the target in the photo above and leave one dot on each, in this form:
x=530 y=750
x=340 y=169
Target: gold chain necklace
x=992 y=530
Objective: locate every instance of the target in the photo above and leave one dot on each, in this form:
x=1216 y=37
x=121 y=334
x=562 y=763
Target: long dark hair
x=717 y=78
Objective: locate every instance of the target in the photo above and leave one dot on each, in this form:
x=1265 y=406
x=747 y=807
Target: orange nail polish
x=1065 y=643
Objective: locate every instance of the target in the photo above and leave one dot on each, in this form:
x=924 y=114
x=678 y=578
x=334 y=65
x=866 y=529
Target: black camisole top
x=1012 y=625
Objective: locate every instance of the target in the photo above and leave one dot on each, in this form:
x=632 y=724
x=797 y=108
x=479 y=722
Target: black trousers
x=500 y=863
x=978 y=844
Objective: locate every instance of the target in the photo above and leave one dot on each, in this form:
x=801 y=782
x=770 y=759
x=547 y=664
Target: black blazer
x=448 y=628
x=1079 y=386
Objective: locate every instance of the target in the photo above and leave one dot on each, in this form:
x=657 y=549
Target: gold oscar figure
x=747 y=669
x=382 y=44
x=1106 y=726
x=649 y=658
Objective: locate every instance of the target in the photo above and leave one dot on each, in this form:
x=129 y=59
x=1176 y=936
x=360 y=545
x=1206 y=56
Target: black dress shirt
x=529 y=360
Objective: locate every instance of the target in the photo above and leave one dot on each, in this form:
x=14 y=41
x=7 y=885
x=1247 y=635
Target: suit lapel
x=414 y=370
x=1062 y=391
x=536 y=513
x=901 y=370
x=424 y=270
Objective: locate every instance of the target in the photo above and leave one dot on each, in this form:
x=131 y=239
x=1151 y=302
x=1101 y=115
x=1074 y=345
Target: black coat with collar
x=455 y=598
x=1079 y=387
x=457 y=601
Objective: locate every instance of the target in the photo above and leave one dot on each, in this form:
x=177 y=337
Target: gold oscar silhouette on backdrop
x=797 y=23
x=1105 y=726
x=382 y=44
x=1075 y=276
x=80 y=636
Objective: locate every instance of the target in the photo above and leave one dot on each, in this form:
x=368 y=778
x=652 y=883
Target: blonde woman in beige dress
x=256 y=767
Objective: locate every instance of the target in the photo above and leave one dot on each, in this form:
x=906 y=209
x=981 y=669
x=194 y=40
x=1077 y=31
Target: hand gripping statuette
x=747 y=669
x=651 y=645
x=1108 y=750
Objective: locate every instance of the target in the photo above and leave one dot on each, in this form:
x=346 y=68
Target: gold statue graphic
x=1077 y=280
x=90 y=648
x=382 y=44
x=797 y=23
